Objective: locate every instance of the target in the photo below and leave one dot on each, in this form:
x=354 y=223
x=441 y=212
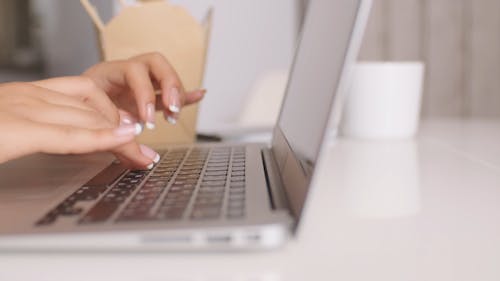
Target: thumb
x=194 y=96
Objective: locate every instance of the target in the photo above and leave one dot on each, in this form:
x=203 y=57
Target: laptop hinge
x=273 y=179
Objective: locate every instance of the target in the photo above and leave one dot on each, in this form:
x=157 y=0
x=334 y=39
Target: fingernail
x=126 y=120
x=150 y=115
x=157 y=158
x=150 y=166
x=150 y=153
x=170 y=119
x=174 y=103
x=138 y=128
x=126 y=130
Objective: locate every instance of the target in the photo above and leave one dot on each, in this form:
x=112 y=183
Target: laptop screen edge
x=298 y=188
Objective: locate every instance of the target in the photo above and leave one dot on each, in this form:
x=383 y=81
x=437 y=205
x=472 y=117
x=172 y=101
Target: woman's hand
x=124 y=92
x=84 y=89
x=132 y=85
x=35 y=119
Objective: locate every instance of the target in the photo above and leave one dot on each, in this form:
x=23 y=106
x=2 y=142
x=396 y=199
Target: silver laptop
x=198 y=197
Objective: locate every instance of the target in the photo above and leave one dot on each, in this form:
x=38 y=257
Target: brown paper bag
x=157 y=26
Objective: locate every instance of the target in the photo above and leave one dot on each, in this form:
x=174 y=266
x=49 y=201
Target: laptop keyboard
x=197 y=184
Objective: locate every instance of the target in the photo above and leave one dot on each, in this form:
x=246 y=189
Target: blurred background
x=459 y=40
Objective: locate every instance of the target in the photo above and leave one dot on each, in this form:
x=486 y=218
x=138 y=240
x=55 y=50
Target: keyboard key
x=217 y=169
x=237 y=184
x=135 y=217
x=170 y=213
x=216 y=173
x=218 y=164
x=237 y=173
x=215 y=178
x=213 y=183
x=237 y=178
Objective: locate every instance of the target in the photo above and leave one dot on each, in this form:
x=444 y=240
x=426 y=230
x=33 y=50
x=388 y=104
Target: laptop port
x=254 y=237
x=219 y=239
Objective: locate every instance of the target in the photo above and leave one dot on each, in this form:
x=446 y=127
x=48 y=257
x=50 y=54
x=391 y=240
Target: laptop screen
x=330 y=38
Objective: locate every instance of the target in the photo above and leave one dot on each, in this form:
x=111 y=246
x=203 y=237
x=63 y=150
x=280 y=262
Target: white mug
x=383 y=101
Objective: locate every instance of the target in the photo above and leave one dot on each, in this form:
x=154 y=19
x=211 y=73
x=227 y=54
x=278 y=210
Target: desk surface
x=427 y=209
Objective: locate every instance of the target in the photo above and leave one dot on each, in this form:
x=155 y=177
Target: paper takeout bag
x=157 y=26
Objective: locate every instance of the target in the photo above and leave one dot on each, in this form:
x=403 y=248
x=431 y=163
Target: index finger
x=172 y=90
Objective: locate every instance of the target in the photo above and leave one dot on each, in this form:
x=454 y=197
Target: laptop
x=212 y=196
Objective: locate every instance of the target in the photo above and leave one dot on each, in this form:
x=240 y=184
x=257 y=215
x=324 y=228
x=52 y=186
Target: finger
x=173 y=96
x=164 y=74
x=62 y=84
x=52 y=95
x=139 y=81
x=191 y=97
x=136 y=156
x=126 y=117
x=16 y=139
x=44 y=112
x=171 y=118
x=101 y=102
x=64 y=100
x=194 y=96
x=84 y=89
x=128 y=103
x=77 y=140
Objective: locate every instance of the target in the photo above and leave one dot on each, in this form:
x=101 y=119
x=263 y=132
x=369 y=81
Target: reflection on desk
x=379 y=179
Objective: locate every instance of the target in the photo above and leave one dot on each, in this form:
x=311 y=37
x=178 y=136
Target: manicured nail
x=150 y=166
x=157 y=158
x=150 y=153
x=138 y=128
x=150 y=115
x=126 y=130
x=170 y=119
x=174 y=102
x=127 y=120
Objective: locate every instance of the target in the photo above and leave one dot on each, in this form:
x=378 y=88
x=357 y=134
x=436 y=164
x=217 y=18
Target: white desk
x=411 y=210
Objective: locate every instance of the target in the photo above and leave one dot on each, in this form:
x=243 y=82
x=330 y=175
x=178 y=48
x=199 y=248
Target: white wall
x=249 y=38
